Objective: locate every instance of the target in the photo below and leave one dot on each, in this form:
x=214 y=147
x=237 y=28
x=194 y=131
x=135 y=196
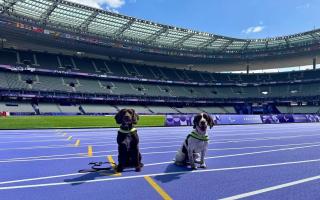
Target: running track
x=249 y=162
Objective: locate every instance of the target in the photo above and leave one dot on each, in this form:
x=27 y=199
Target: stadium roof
x=119 y=27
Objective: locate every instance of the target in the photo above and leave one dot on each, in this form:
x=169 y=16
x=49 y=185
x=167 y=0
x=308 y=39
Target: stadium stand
x=162 y=109
x=299 y=109
x=138 y=109
x=69 y=109
x=17 y=107
x=91 y=65
x=49 y=108
x=98 y=109
x=145 y=65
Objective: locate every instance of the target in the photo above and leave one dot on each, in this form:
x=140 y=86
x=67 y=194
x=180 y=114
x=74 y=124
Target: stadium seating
x=162 y=109
x=35 y=82
x=96 y=109
x=117 y=68
x=16 y=107
x=189 y=110
x=138 y=109
x=69 y=109
x=49 y=108
x=299 y=109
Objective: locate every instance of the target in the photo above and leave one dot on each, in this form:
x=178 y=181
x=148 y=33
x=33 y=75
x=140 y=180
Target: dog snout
x=202 y=123
x=126 y=117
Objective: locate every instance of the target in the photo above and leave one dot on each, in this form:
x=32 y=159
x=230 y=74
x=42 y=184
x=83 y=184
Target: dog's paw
x=119 y=169
x=203 y=165
x=138 y=169
x=193 y=166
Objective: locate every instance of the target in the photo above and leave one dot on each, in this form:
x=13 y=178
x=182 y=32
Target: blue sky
x=235 y=18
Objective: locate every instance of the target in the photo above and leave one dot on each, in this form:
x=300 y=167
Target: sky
x=234 y=18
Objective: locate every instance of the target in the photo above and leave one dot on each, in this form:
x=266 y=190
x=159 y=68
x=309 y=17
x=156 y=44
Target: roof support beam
x=8 y=5
x=45 y=16
x=267 y=44
x=207 y=43
x=180 y=41
x=287 y=41
x=245 y=46
x=152 y=38
x=314 y=36
x=124 y=27
x=87 y=22
x=225 y=45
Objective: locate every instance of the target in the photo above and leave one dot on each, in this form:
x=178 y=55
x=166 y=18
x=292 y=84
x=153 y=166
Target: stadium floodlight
x=294 y=91
x=265 y=92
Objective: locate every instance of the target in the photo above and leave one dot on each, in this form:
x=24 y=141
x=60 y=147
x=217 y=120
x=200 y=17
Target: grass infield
x=38 y=122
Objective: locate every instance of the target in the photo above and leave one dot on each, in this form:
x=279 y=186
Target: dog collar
x=132 y=131
x=196 y=135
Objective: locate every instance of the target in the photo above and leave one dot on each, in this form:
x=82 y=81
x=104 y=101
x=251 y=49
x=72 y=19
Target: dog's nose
x=203 y=123
x=126 y=117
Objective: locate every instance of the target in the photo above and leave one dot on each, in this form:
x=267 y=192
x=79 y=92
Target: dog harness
x=197 y=136
x=131 y=131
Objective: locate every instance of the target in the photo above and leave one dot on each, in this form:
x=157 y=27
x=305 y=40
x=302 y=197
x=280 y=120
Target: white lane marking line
x=155 y=174
x=88 y=139
x=40 y=178
x=159 y=147
x=160 y=163
x=34 y=141
x=268 y=189
x=113 y=144
x=243 y=154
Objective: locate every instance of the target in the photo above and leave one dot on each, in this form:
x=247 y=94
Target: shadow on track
x=172 y=177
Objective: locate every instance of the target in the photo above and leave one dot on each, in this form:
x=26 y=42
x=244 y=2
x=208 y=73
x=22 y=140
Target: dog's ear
x=210 y=121
x=119 y=116
x=135 y=117
x=196 y=120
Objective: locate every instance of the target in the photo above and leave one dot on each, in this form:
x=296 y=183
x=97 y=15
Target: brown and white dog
x=128 y=140
x=196 y=143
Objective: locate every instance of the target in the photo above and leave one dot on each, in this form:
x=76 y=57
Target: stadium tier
x=63 y=57
x=60 y=62
x=45 y=83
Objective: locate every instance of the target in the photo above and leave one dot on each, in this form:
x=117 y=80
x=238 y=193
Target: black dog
x=128 y=140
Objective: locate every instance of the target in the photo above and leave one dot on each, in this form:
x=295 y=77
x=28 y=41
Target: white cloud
x=254 y=29
x=304 y=6
x=111 y=4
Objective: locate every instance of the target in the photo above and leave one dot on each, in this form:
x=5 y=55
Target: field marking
x=90 y=152
x=164 y=152
x=268 y=189
x=243 y=154
x=41 y=178
x=34 y=141
x=157 y=188
x=77 y=143
x=153 y=175
x=113 y=165
x=113 y=144
x=88 y=139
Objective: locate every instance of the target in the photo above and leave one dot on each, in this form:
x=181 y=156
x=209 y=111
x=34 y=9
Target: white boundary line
x=113 y=143
x=159 y=147
x=153 y=175
x=269 y=189
x=223 y=156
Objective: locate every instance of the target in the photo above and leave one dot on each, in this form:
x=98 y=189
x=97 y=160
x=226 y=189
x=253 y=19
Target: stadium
x=67 y=69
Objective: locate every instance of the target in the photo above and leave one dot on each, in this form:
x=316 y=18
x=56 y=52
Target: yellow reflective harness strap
x=132 y=131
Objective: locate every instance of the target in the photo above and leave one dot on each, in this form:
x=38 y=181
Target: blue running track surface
x=244 y=162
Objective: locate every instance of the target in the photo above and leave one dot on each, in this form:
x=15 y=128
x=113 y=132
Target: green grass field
x=36 y=122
